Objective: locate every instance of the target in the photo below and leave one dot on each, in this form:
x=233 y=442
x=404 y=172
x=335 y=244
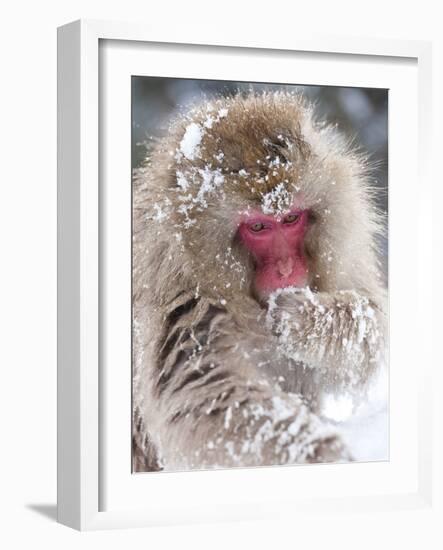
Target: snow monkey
x=255 y=286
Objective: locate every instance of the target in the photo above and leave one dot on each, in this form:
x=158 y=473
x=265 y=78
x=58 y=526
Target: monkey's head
x=253 y=194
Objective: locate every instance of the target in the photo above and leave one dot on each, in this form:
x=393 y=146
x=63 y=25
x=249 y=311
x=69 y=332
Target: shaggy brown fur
x=222 y=379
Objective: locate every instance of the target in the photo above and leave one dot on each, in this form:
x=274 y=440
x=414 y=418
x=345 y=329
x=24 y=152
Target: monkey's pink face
x=277 y=246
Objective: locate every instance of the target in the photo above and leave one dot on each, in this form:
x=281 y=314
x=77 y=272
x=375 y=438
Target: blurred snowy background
x=362 y=114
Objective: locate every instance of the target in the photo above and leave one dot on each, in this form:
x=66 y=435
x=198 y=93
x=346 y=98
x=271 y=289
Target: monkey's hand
x=342 y=334
x=262 y=429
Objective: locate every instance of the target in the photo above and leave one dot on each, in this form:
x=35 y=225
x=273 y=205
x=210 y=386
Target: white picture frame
x=83 y=471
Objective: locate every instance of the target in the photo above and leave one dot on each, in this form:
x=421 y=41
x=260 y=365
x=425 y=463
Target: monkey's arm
x=343 y=334
x=212 y=405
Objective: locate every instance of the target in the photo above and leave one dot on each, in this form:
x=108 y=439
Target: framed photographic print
x=235 y=245
x=259 y=270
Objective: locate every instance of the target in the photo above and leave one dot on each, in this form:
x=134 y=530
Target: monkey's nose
x=285 y=267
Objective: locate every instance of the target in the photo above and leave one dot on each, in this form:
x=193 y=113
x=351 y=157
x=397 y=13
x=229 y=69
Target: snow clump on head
x=189 y=145
x=278 y=201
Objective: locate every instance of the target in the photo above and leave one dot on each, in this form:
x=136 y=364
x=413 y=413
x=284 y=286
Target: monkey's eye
x=292 y=218
x=256 y=227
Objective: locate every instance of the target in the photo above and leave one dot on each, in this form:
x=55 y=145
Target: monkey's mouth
x=281 y=274
x=285 y=267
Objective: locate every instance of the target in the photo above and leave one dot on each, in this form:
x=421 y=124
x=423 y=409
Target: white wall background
x=28 y=264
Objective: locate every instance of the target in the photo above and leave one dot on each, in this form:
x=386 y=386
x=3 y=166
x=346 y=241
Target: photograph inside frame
x=259 y=274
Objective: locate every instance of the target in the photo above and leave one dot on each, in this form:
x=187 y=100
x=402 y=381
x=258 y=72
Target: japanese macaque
x=255 y=286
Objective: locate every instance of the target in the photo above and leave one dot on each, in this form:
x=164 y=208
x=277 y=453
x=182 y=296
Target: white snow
x=160 y=214
x=365 y=429
x=211 y=179
x=182 y=182
x=278 y=201
x=208 y=122
x=338 y=408
x=199 y=184
x=189 y=145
